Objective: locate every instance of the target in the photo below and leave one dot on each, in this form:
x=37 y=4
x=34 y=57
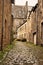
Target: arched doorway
x=34 y=38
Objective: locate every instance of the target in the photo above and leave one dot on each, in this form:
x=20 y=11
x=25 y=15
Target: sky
x=22 y=2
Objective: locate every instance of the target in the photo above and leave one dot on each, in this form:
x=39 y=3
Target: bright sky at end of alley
x=22 y=2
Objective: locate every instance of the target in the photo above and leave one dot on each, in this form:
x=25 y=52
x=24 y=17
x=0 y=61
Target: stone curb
x=5 y=55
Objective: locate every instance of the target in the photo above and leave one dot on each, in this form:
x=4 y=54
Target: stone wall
x=16 y=24
x=34 y=25
x=0 y=21
x=20 y=13
x=28 y=29
x=5 y=22
x=40 y=22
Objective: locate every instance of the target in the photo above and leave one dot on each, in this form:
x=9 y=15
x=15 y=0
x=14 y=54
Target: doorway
x=42 y=31
x=34 y=38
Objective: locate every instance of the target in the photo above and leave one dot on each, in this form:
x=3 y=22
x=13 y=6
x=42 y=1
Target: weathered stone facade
x=32 y=22
x=5 y=22
x=34 y=26
x=0 y=21
x=21 y=32
x=40 y=22
x=20 y=13
x=30 y=26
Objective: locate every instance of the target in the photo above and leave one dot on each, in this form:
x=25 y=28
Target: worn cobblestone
x=21 y=55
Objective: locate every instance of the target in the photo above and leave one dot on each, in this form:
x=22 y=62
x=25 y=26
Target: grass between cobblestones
x=37 y=50
x=7 y=49
x=33 y=45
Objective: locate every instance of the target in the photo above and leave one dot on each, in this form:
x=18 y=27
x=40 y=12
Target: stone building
x=32 y=25
x=5 y=22
x=36 y=24
x=22 y=31
x=40 y=22
x=20 y=13
x=29 y=29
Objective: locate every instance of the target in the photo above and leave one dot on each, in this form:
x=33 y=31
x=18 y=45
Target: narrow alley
x=24 y=54
x=21 y=32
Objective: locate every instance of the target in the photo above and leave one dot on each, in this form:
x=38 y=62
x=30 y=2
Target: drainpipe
x=2 y=24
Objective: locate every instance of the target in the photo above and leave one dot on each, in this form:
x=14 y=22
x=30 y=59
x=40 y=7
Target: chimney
x=26 y=3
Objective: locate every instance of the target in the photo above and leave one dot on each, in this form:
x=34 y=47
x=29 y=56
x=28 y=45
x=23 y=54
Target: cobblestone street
x=21 y=54
x=21 y=32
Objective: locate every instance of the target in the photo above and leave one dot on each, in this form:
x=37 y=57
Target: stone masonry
x=0 y=21
x=40 y=22
x=5 y=22
x=20 y=13
x=34 y=26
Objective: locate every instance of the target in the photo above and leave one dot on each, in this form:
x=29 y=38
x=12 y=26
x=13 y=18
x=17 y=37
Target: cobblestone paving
x=21 y=55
